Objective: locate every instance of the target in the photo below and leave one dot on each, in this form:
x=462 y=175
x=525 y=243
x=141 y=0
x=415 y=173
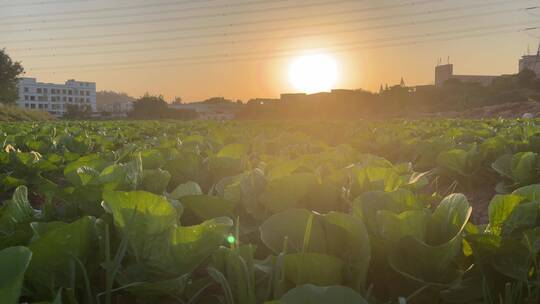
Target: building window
x=26 y=105
x=88 y=100
x=39 y=90
x=64 y=98
x=70 y=92
x=70 y=99
x=46 y=106
x=87 y=93
x=26 y=97
x=45 y=91
x=32 y=98
x=25 y=89
x=32 y=106
x=64 y=91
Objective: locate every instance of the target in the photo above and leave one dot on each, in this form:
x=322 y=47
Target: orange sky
x=241 y=49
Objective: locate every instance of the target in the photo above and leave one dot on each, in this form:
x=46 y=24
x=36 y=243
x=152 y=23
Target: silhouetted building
x=211 y=110
x=445 y=72
x=531 y=62
x=294 y=97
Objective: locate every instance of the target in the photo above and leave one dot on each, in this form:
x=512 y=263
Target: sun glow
x=313 y=73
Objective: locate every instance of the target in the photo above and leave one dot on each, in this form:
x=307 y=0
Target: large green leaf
x=368 y=204
x=187 y=189
x=155 y=181
x=287 y=192
x=238 y=267
x=522 y=217
x=56 y=251
x=13 y=262
x=85 y=169
x=356 y=250
x=521 y=168
x=530 y=192
x=394 y=227
x=152 y=159
x=335 y=234
x=140 y=215
x=505 y=255
x=458 y=161
x=500 y=208
x=291 y=225
x=235 y=151
x=313 y=268
x=424 y=263
x=206 y=207
x=152 y=292
x=15 y=216
x=432 y=261
x=311 y=294
x=17 y=210
x=448 y=219
x=185 y=248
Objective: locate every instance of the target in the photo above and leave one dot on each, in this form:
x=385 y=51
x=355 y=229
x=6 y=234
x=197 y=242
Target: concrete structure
x=531 y=62
x=211 y=111
x=55 y=98
x=120 y=108
x=445 y=72
x=294 y=97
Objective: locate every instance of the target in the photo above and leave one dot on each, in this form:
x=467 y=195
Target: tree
x=9 y=76
x=177 y=101
x=78 y=112
x=150 y=107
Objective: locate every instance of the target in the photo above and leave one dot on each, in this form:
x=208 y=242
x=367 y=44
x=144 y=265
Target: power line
x=258 y=58
x=107 y=9
x=143 y=14
x=174 y=18
x=144 y=49
x=286 y=50
x=42 y=3
x=182 y=29
x=230 y=34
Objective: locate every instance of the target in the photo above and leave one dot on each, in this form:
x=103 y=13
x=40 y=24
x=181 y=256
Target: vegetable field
x=434 y=211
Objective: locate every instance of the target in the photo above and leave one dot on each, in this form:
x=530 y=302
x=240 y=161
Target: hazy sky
x=242 y=48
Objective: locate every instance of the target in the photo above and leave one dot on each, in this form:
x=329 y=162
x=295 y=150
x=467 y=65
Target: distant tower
x=443 y=73
x=381 y=89
x=531 y=62
x=402 y=83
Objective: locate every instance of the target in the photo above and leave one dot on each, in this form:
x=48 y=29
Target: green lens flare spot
x=231 y=239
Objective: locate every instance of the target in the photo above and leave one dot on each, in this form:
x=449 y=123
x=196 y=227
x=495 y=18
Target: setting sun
x=313 y=73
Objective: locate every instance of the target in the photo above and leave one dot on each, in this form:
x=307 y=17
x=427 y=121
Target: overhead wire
x=281 y=29
x=225 y=56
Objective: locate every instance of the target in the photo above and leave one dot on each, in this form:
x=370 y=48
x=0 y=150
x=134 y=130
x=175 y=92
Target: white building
x=55 y=98
x=119 y=108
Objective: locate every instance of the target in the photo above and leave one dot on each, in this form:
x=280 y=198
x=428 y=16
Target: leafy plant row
x=157 y=212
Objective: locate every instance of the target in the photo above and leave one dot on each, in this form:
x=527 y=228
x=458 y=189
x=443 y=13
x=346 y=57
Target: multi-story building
x=531 y=62
x=446 y=72
x=56 y=98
